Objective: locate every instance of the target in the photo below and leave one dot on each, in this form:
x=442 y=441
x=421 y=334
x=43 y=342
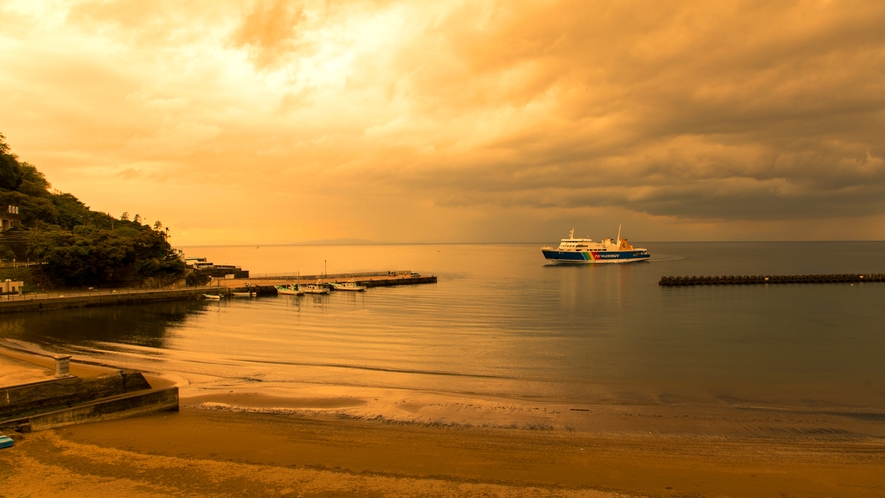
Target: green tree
x=10 y=170
x=83 y=256
x=79 y=246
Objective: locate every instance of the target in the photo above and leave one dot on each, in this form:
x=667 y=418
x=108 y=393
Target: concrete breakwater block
x=26 y=399
x=771 y=279
x=115 y=407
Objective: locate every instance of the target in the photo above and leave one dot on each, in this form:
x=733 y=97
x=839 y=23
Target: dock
x=840 y=278
x=264 y=284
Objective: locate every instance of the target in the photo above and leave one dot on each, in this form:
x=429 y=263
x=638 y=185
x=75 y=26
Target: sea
x=500 y=321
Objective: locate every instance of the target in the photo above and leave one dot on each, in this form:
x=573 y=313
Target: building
x=9 y=218
x=11 y=287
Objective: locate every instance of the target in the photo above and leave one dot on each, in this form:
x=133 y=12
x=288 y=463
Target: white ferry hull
x=595 y=257
x=585 y=251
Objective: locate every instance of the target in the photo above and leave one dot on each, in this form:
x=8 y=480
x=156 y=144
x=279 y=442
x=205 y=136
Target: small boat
x=289 y=290
x=212 y=297
x=347 y=286
x=242 y=294
x=6 y=441
x=572 y=250
x=317 y=288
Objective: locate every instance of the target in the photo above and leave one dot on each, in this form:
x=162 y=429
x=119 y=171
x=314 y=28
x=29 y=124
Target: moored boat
x=242 y=294
x=289 y=290
x=350 y=285
x=572 y=250
x=317 y=288
x=212 y=297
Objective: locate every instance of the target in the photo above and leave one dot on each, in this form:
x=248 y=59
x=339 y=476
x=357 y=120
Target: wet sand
x=239 y=438
x=254 y=444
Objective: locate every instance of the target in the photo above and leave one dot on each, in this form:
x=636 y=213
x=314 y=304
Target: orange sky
x=277 y=122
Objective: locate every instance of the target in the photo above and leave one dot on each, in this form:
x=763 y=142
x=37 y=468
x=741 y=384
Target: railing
x=295 y=276
x=18 y=264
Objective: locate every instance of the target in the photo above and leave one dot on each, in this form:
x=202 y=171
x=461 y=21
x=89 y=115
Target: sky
x=274 y=122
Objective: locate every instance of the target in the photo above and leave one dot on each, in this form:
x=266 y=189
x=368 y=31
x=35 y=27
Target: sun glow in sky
x=268 y=121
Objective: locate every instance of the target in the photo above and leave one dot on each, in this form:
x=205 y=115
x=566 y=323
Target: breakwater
x=771 y=279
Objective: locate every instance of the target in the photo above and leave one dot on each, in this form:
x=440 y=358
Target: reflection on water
x=500 y=321
x=142 y=325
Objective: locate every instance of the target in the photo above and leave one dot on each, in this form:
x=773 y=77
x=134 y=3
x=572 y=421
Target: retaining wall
x=21 y=400
x=123 y=406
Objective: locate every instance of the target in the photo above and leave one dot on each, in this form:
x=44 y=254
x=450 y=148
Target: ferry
x=572 y=250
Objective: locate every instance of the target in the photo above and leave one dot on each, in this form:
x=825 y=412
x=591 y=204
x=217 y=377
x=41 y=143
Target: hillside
x=77 y=246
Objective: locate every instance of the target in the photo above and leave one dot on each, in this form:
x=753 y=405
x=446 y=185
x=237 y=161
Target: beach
x=340 y=441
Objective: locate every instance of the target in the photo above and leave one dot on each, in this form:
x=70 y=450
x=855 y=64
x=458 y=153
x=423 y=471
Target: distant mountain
x=343 y=242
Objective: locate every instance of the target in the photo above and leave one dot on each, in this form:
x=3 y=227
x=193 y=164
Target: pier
x=264 y=284
x=771 y=279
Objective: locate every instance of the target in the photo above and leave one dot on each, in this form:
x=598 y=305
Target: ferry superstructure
x=572 y=250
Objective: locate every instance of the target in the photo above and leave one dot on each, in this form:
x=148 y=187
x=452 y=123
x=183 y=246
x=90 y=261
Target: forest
x=74 y=245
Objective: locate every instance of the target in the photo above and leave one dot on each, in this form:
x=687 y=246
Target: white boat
x=347 y=286
x=242 y=294
x=572 y=250
x=289 y=290
x=213 y=297
x=317 y=288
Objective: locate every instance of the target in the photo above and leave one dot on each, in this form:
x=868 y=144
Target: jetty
x=264 y=284
x=840 y=278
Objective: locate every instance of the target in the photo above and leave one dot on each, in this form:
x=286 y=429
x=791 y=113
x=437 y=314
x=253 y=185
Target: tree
x=10 y=170
x=137 y=219
x=79 y=247
x=124 y=216
x=158 y=225
x=89 y=256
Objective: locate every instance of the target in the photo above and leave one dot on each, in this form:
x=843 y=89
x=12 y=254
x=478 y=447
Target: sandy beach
x=313 y=440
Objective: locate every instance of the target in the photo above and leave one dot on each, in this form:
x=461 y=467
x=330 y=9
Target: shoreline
x=212 y=452
x=235 y=438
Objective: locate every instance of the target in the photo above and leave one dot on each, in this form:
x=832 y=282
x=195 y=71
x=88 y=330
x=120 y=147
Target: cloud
x=269 y=31
x=709 y=111
x=722 y=115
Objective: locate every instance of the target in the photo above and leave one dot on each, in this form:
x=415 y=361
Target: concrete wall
x=128 y=405
x=38 y=304
x=22 y=400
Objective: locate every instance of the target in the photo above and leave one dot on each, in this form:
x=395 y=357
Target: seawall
x=40 y=302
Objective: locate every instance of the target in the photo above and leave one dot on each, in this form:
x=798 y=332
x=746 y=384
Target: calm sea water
x=500 y=321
